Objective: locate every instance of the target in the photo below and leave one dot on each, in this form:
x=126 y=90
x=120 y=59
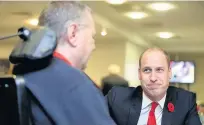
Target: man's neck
x=69 y=55
x=155 y=99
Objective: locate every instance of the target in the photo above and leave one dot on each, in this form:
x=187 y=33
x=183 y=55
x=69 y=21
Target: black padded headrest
x=41 y=44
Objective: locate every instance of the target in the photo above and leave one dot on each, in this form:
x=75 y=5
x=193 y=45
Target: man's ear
x=71 y=34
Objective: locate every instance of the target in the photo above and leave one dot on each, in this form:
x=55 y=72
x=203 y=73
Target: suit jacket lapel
x=167 y=115
x=135 y=108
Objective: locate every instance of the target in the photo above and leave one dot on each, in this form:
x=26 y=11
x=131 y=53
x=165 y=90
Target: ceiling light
x=116 y=2
x=165 y=35
x=33 y=22
x=136 y=15
x=103 y=32
x=161 y=6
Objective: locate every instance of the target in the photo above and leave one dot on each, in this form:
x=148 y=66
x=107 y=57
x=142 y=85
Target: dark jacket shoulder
x=60 y=71
x=180 y=92
x=120 y=94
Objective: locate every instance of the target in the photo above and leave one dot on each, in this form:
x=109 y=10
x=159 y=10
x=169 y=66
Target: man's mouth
x=153 y=86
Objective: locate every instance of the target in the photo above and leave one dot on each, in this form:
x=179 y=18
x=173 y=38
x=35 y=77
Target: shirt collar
x=60 y=56
x=146 y=101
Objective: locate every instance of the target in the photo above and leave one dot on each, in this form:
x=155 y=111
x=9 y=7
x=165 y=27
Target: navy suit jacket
x=63 y=95
x=125 y=106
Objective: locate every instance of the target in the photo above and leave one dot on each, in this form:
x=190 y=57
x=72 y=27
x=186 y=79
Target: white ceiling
x=186 y=21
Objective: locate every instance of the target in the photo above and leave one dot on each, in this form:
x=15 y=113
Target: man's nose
x=153 y=77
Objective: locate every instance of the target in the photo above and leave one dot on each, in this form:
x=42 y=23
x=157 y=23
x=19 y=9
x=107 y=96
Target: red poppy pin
x=170 y=107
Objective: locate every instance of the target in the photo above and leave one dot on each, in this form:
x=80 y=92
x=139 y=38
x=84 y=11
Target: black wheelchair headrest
x=31 y=54
x=41 y=44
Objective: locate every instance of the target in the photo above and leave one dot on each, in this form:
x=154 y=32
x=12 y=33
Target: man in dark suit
x=201 y=112
x=61 y=94
x=154 y=102
x=113 y=79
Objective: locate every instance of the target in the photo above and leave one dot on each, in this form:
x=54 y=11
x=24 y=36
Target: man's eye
x=147 y=70
x=160 y=70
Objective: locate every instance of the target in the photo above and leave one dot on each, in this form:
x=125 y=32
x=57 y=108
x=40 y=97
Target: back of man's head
x=59 y=14
x=74 y=26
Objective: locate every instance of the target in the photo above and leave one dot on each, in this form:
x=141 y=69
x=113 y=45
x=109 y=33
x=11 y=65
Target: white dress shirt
x=146 y=107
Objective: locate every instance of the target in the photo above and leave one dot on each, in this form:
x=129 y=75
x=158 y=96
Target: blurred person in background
x=62 y=94
x=154 y=102
x=113 y=79
x=201 y=112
